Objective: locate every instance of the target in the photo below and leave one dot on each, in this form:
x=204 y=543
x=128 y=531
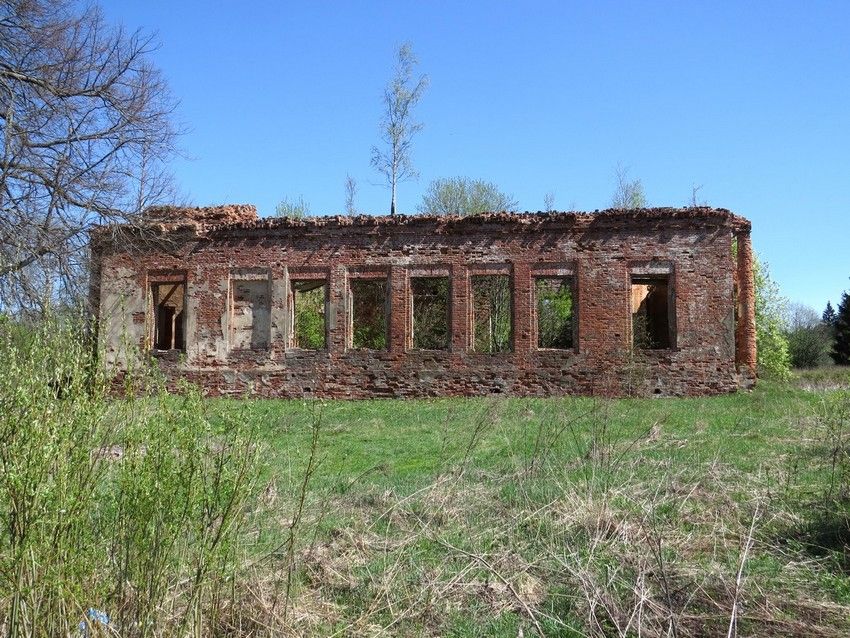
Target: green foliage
x=808 y=346
x=310 y=318
x=369 y=311
x=774 y=359
x=829 y=317
x=641 y=333
x=464 y=196
x=135 y=507
x=372 y=336
x=554 y=312
x=293 y=209
x=809 y=338
x=841 y=347
x=834 y=419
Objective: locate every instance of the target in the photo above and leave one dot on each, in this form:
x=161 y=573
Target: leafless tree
x=398 y=126
x=491 y=300
x=696 y=201
x=628 y=194
x=799 y=316
x=549 y=202
x=85 y=129
x=350 y=195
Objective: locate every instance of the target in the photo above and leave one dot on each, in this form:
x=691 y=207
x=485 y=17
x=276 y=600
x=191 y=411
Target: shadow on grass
x=826 y=537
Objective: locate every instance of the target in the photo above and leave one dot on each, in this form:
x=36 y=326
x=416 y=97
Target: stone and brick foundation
x=647 y=306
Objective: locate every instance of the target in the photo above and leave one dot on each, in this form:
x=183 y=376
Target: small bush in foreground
x=135 y=508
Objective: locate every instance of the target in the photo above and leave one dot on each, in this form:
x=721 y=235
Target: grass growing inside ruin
x=481 y=517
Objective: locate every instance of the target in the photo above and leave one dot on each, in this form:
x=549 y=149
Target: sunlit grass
x=491 y=505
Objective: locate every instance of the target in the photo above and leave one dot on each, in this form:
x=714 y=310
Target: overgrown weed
x=137 y=507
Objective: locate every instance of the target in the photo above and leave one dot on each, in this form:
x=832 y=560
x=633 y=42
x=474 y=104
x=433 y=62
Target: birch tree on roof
x=398 y=126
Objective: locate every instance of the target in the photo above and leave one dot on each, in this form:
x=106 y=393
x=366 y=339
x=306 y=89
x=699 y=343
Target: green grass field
x=178 y=515
x=567 y=517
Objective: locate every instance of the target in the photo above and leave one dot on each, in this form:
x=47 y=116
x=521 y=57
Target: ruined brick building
x=654 y=301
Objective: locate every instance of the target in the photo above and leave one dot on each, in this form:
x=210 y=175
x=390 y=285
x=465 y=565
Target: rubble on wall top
x=208 y=215
x=609 y=218
x=244 y=218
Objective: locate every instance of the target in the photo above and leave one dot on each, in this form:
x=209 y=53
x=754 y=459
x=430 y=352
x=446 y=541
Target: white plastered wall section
x=121 y=298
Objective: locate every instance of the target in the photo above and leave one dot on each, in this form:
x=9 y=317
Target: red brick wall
x=690 y=246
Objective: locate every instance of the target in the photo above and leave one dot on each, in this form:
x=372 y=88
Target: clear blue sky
x=751 y=100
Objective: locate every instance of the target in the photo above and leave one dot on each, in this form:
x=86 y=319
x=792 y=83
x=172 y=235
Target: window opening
x=430 y=308
x=491 y=313
x=650 y=313
x=555 y=312
x=308 y=314
x=369 y=313
x=169 y=300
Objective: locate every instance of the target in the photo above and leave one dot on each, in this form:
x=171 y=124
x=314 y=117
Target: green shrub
x=808 y=346
x=135 y=507
x=773 y=357
x=310 y=319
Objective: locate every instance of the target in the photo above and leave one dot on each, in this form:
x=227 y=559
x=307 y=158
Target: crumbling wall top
x=206 y=215
x=610 y=219
x=243 y=220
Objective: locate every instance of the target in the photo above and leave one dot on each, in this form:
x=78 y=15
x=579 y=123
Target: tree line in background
x=793 y=335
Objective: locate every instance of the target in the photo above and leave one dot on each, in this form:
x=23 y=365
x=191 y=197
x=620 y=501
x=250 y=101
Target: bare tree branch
x=85 y=130
x=628 y=194
x=350 y=196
